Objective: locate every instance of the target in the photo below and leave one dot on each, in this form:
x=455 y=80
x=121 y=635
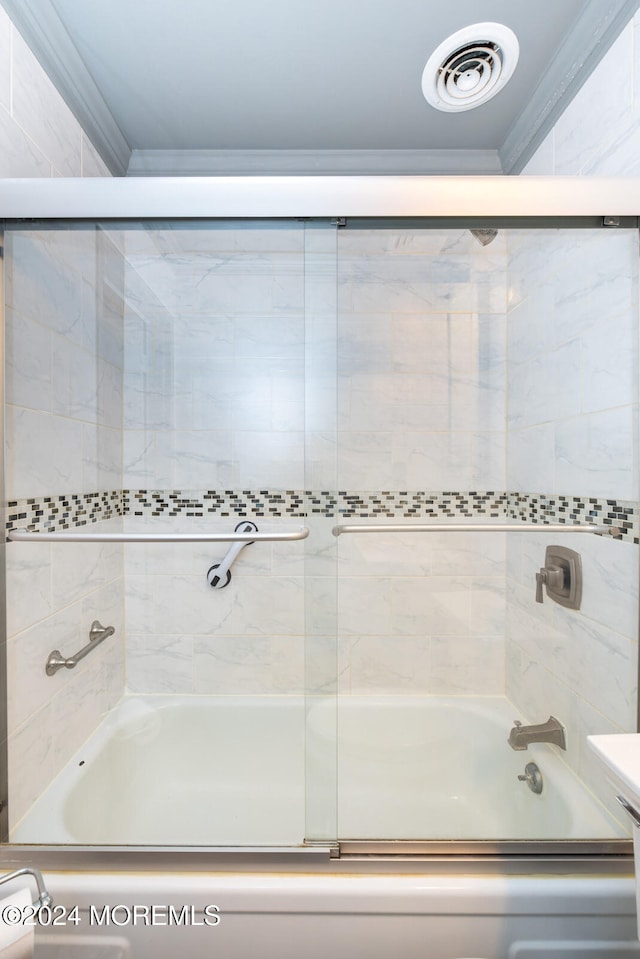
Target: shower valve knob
x=552 y=576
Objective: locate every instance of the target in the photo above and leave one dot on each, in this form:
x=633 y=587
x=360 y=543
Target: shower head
x=484 y=235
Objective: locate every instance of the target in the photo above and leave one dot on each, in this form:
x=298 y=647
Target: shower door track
x=455 y=857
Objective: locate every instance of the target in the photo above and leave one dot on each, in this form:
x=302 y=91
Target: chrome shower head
x=484 y=235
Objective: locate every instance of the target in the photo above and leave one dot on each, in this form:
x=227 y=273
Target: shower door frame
x=436 y=202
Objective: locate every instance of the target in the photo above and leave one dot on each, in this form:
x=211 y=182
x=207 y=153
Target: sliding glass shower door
x=278 y=458
x=171 y=385
x=484 y=383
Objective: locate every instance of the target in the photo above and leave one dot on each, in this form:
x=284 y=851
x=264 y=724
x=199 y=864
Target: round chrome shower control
x=533 y=778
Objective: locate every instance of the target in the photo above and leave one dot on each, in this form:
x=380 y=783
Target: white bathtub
x=181 y=770
x=286 y=916
x=436 y=767
x=203 y=770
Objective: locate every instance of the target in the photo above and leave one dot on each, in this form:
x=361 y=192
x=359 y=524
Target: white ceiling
x=306 y=77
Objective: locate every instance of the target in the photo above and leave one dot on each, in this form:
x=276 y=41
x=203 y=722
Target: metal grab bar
x=72 y=536
x=478 y=528
x=44 y=899
x=97 y=634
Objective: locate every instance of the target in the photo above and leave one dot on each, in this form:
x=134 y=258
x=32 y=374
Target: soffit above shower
x=323 y=86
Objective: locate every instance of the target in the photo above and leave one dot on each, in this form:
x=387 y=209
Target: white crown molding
x=41 y=27
x=599 y=24
x=313 y=162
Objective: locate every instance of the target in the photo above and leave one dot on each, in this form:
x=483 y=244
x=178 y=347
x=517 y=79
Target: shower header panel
x=321 y=196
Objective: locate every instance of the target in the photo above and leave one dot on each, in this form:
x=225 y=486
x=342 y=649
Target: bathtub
x=181 y=770
x=436 y=767
x=210 y=770
x=230 y=771
x=360 y=916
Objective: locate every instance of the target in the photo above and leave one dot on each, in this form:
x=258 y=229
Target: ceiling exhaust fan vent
x=470 y=67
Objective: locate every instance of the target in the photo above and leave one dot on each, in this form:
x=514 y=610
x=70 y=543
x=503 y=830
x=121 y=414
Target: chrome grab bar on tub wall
x=75 y=536
x=478 y=528
x=97 y=634
x=44 y=899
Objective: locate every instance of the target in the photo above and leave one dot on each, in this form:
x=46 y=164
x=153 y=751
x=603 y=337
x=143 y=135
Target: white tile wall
x=64 y=435
x=422 y=345
x=572 y=429
x=184 y=636
x=39 y=134
x=421 y=405
x=598 y=133
x=573 y=362
x=215 y=391
x=219 y=389
x=54 y=129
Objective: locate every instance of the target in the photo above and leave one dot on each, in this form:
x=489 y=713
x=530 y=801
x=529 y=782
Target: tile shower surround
x=409 y=350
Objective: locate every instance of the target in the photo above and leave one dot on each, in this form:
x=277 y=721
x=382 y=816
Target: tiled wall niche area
x=254 y=376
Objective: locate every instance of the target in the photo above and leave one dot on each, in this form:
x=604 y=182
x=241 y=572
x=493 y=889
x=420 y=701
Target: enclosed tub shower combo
x=321 y=509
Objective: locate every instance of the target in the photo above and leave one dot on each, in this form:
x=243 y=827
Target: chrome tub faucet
x=550 y=732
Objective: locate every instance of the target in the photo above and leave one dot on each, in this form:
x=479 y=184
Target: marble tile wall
x=573 y=371
x=422 y=360
x=421 y=406
x=598 y=133
x=56 y=335
x=39 y=135
x=214 y=387
x=64 y=370
x=219 y=390
x=572 y=426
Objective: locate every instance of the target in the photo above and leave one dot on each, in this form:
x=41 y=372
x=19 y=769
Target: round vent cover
x=470 y=66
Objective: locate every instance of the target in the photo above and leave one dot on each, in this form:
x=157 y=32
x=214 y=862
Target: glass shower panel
x=64 y=286
x=320 y=555
x=483 y=385
x=157 y=388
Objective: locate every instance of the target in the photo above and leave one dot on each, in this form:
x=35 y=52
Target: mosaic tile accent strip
x=265 y=503
x=556 y=508
x=54 y=513
x=405 y=505
x=298 y=504
x=64 y=512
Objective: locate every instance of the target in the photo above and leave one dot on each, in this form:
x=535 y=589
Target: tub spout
x=550 y=732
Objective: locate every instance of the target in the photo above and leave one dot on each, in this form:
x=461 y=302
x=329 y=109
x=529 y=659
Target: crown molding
x=42 y=29
x=313 y=162
x=598 y=26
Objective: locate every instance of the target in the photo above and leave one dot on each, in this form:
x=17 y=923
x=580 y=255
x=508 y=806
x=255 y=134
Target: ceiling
x=197 y=85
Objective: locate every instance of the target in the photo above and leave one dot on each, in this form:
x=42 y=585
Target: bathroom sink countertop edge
x=620 y=755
